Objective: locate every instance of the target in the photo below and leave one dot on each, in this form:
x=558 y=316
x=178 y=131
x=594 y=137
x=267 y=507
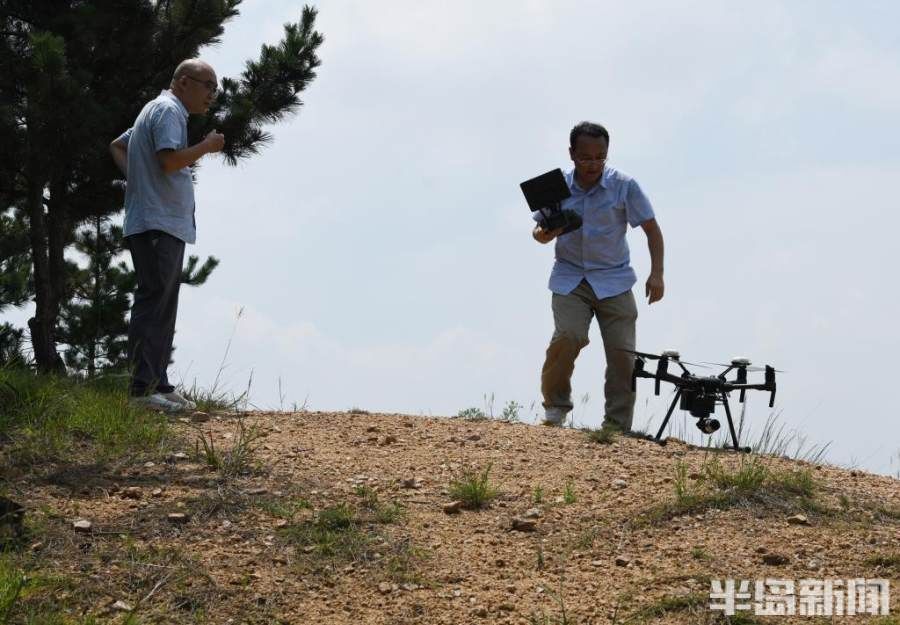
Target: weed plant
x=473 y=488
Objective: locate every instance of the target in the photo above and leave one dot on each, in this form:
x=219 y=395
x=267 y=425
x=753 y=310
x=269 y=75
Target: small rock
x=177 y=456
x=596 y=562
x=82 y=525
x=507 y=607
x=619 y=484
x=474 y=437
x=388 y=440
x=121 y=606
x=532 y=513
x=156 y=492
x=199 y=417
x=132 y=492
x=257 y=491
x=453 y=507
x=623 y=560
x=384 y=588
x=481 y=612
x=761 y=550
x=411 y=482
x=775 y=559
x=523 y=525
x=372 y=428
x=281 y=523
x=149 y=465
x=179 y=518
x=798 y=519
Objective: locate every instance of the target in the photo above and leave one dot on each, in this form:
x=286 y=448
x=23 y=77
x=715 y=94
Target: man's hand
x=214 y=141
x=655 y=288
x=545 y=236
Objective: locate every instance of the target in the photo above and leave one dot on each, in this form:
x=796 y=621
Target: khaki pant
x=572 y=315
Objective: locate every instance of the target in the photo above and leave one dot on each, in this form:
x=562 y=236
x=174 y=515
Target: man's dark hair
x=587 y=128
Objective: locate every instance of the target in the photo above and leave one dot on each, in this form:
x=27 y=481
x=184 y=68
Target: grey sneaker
x=157 y=401
x=178 y=398
x=554 y=416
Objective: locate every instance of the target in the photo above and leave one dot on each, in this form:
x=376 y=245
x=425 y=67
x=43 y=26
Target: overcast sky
x=380 y=248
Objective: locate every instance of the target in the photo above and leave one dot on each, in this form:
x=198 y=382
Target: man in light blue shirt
x=159 y=219
x=592 y=277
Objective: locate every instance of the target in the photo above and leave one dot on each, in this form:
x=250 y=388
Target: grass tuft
x=237 y=459
x=473 y=488
x=749 y=482
x=603 y=436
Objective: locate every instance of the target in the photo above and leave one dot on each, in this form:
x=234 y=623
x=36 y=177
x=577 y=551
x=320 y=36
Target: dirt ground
x=244 y=548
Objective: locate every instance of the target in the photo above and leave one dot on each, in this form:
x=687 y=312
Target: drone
x=699 y=395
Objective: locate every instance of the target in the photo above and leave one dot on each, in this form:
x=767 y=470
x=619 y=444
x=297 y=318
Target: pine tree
x=73 y=75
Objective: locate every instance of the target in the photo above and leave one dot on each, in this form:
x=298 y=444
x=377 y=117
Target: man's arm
x=119 y=151
x=655 y=287
x=173 y=160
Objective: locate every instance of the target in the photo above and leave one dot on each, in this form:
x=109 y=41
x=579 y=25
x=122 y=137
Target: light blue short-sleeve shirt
x=598 y=252
x=155 y=200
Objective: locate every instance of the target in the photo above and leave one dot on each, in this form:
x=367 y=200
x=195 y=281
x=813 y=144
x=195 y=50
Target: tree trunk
x=41 y=324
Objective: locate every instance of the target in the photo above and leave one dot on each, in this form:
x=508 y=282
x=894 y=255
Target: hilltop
x=316 y=517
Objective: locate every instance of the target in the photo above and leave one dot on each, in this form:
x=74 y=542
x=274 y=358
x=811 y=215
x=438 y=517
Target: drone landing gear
x=735 y=446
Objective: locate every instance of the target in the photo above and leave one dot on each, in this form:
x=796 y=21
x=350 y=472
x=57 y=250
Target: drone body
x=699 y=395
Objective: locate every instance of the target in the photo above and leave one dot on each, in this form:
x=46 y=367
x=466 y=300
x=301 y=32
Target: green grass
x=603 y=436
x=12 y=581
x=750 y=482
x=888 y=561
x=378 y=512
x=335 y=533
x=472 y=414
x=569 y=494
x=347 y=533
x=284 y=509
x=48 y=418
x=699 y=553
x=694 y=603
x=473 y=488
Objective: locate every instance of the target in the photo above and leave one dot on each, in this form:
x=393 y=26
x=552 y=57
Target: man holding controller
x=159 y=219
x=592 y=276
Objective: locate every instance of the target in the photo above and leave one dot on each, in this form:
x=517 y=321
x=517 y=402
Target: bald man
x=159 y=219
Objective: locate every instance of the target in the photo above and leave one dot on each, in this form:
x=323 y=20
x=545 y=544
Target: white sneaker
x=178 y=398
x=554 y=416
x=157 y=401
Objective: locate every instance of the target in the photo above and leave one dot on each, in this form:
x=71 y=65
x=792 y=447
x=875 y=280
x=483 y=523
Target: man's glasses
x=586 y=161
x=210 y=85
